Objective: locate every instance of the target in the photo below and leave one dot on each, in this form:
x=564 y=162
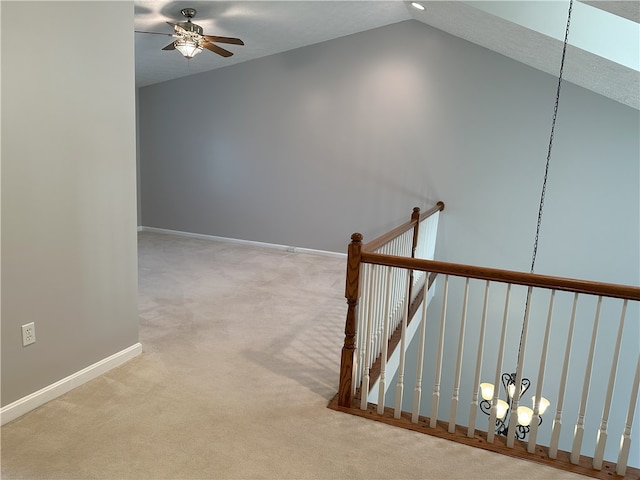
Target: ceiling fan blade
x=234 y=41
x=156 y=33
x=171 y=46
x=216 y=49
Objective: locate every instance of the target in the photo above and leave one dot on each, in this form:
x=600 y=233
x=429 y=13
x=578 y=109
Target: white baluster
x=403 y=339
x=394 y=290
x=476 y=381
x=533 y=434
x=436 y=382
x=372 y=312
x=421 y=238
x=417 y=392
x=426 y=238
x=625 y=441
x=602 y=433
x=496 y=389
x=362 y=316
x=424 y=253
x=364 y=391
x=396 y=300
x=426 y=246
x=515 y=401
x=408 y=243
x=456 y=386
x=373 y=301
x=385 y=342
x=380 y=296
x=557 y=422
x=579 y=432
x=429 y=237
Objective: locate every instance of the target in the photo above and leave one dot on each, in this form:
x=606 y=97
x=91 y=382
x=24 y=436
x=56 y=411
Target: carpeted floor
x=241 y=349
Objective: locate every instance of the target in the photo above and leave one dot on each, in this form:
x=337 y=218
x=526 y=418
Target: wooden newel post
x=415 y=217
x=348 y=362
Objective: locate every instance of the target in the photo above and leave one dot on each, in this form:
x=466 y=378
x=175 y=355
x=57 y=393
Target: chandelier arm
x=525 y=383
x=501 y=427
x=485 y=406
x=521 y=431
x=508 y=379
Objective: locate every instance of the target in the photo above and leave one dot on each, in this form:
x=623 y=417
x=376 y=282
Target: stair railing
x=383 y=277
x=367 y=342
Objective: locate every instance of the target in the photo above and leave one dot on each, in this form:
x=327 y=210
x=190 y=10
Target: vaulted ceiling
x=603 y=55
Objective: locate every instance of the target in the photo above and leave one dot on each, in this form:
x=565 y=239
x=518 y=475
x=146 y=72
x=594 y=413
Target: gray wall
x=305 y=147
x=68 y=189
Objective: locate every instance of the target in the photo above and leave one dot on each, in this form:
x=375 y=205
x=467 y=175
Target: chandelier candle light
x=502 y=408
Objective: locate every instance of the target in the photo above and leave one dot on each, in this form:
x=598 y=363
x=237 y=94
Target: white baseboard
x=46 y=394
x=237 y=241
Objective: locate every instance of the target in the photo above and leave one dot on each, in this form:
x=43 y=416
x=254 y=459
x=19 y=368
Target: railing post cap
x=416 y=209
x=356 y=237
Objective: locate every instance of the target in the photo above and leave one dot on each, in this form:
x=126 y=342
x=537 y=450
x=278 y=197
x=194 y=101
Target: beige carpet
x=241 y=356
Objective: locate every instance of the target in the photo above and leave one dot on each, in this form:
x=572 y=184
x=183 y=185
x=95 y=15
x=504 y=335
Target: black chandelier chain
x=546 y=169
x=553 y=127
x=510 y=379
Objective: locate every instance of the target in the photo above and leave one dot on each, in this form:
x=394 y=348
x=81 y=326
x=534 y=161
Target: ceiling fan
x=190 y=39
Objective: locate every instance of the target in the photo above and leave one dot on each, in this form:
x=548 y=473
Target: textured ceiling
x=269 y=27
x=625 y=8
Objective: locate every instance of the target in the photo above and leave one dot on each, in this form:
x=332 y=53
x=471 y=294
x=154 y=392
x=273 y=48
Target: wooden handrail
x=400 y=229
x=506 y=276
x=387 y=237
x=438 y=207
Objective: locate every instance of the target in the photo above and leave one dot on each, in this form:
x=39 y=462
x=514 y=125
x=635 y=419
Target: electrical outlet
x=28 y=334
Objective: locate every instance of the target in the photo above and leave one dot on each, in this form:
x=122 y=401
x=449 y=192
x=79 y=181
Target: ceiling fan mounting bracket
x=188 y=26
x=189 y=13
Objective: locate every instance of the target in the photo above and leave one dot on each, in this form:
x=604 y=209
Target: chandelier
x=525 y=414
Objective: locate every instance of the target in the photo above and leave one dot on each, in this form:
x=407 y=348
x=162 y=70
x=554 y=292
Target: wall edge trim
x=34 y=400
x=237 y=241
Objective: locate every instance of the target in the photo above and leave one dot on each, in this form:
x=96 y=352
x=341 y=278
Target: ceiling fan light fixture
x=188 y=47
x=190 y=39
